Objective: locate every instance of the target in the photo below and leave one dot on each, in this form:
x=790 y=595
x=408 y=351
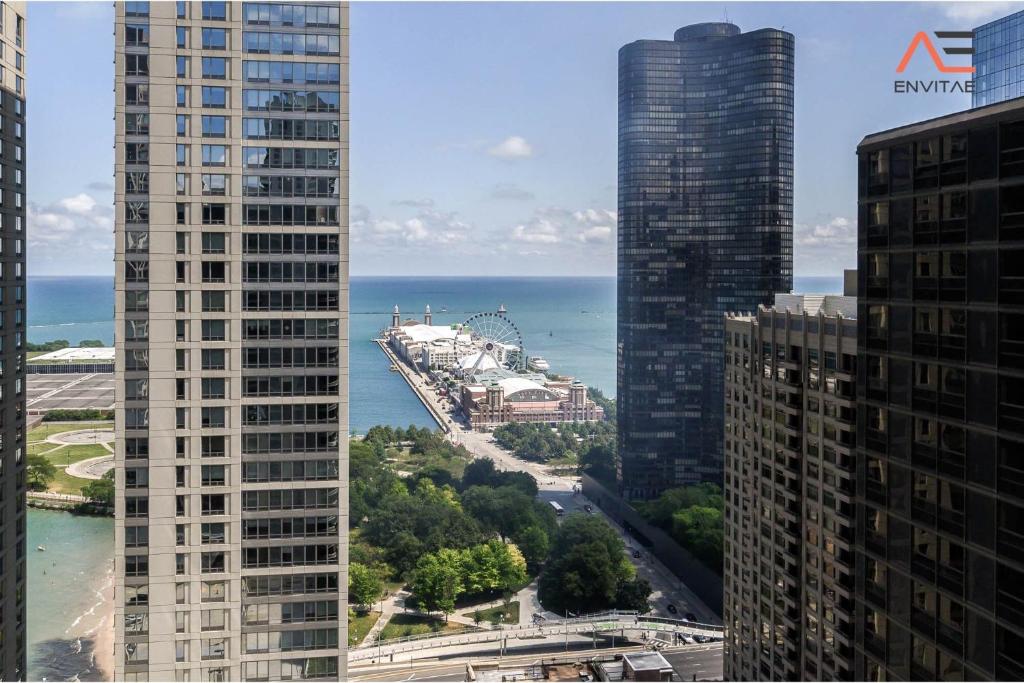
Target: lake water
x=69 y=586
x=568 y=321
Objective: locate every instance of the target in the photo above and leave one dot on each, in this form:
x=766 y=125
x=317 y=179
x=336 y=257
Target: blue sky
x=483 y=135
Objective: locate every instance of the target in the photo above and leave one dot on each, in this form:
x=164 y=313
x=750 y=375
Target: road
x=702 y=661
x=668 y=589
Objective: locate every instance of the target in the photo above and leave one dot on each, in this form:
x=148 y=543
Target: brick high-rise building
x=231 y=171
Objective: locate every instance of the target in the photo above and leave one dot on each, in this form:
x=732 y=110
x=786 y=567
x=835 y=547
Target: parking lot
x=49 y=392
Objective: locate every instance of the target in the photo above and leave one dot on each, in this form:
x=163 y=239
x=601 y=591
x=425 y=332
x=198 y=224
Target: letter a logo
x=922 y=38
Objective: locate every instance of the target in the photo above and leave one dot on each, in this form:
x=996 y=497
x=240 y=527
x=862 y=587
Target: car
x=589 y=509
x=671 y=608
x=636 y=554
x=690 y=616
x=687 y=639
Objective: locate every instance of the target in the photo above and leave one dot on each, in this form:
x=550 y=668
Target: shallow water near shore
x=70 y=596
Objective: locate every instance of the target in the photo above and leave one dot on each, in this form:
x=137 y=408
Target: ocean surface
x=568 y=321
x=68 y=584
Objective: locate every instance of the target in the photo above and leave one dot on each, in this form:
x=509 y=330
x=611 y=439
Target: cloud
x=71 y=235
x=836 y=232
x=429 y=226
x=977 y=12
x=513 y=147
x=510 y=191
x=554 y=226
x=424 y=203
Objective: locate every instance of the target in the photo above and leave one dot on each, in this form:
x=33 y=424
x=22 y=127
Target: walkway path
x=92 y=468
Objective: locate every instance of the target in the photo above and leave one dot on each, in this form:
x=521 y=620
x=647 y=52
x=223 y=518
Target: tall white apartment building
x=231 y=171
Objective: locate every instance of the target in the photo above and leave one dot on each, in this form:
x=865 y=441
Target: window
x=136 y=124
x=214 y=184
x=214 y=301
x=181 y=124
x=136 y=152
x=214 y=67
x=214 y=330
x=181 y=34
x=214 y=155
x=181 y=96
x=136 y=94
x=214 y=271
x=181 y=214
x=214 y=39
x=214 y=11
x=182 y=7
x=213 y=242
x=136 y=65
x=215 y=214
x=181 y=67
x=214 y=126
x=136 y=9
x=136 y=35
x=214 y=96
x=181 y=183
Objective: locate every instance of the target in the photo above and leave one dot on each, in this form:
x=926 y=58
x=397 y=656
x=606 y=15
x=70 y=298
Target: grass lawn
x=404 y=460
x=401 y=625
x=493 y=614
x=65 y=455
x=360 y=625
x=47 y=429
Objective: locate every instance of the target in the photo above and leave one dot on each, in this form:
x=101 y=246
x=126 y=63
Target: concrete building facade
x=940 y=479
x=705 y=216
x=13 y=323
x=790 y=481
x=231 y=194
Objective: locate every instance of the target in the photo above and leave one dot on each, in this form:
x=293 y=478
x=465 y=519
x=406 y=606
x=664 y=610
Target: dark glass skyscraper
x=940 y=362
x=999 y=60
x=705 y=227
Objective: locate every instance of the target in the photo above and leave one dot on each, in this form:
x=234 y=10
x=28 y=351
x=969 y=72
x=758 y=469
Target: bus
x=557 y=508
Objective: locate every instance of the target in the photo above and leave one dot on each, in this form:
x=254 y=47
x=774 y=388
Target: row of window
x=313 y=357
x=291 y=43
x=290 y=470
x=290 y=556
x=288 y=271
x=291 y=72
x=291 y=300
x=281 y=14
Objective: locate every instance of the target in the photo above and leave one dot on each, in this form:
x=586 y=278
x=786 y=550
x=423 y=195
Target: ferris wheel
x=498 y=337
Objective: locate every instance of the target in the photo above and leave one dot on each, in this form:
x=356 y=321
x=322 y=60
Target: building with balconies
x=790 y=440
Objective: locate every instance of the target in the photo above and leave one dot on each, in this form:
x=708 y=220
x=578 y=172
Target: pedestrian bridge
x=618 y=622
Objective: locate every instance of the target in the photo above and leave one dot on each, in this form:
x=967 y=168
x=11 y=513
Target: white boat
x=41 y=548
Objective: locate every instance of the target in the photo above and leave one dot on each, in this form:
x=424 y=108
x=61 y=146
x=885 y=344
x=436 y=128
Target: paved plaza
x=49 y=392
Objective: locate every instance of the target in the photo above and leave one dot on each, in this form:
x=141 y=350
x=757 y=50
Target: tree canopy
x=587 y=570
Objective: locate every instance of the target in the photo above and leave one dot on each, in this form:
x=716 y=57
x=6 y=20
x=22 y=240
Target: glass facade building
x=231 y=229
x=999 y=60
x=705 y=207
x=13 y=324
x=940 y=392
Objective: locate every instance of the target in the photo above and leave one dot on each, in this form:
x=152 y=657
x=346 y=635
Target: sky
x=483 y=135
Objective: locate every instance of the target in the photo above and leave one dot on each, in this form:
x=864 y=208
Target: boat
x=41 y=548
x=393 y=368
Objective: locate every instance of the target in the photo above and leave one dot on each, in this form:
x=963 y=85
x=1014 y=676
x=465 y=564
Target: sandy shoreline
x=98 y=626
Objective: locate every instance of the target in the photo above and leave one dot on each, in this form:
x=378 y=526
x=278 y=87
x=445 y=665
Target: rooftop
x=76 y=354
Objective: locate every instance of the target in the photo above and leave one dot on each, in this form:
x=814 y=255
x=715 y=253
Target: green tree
x=364 y=585
x=91 y=344
x=437 y=580
x=598 y=460
x=40 y=472
x=100 y=490
x=633 y=594
x=534 y=544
